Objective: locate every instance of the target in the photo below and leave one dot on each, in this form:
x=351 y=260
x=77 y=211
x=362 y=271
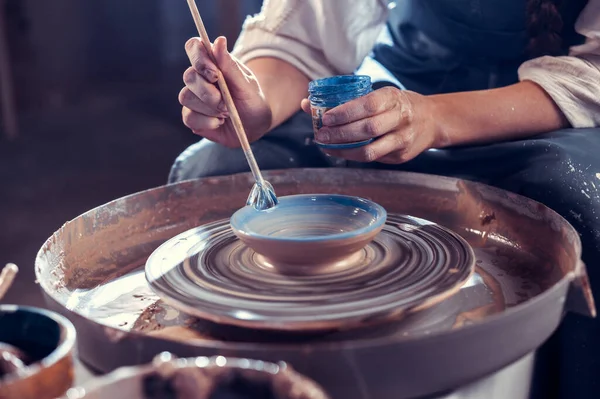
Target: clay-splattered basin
x=201 y=377
x=528 y=273
x=48 y=340
x=310 y=229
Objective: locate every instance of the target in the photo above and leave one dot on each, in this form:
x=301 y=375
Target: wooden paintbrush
x=262 y=195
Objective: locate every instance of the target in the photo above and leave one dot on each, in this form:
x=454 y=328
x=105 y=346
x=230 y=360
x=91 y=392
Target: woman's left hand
x=403 y=124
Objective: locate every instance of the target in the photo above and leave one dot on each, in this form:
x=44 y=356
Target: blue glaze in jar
x=328 y=93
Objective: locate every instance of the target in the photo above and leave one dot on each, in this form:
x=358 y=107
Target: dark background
x=95 y=94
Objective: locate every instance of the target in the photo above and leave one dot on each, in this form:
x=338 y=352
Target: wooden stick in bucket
x=7 y=276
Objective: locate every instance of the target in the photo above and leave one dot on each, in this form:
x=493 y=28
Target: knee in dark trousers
x=290 y=145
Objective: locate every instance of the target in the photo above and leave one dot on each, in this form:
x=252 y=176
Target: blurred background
x=89 y=109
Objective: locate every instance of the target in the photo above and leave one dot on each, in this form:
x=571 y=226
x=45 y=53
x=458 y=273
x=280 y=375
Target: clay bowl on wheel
x=201 y=378
x=36 y=353
x=313 y=229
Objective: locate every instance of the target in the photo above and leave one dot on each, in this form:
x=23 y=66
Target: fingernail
x=222 y=107
x=225 y=43
x=224 y=115
x=328 y=119
x=191 y=43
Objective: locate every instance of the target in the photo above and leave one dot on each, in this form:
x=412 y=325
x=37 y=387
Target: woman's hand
x=403 y=124
x=203 y=108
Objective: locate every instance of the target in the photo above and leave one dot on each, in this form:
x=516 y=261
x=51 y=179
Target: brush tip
x=262 y=197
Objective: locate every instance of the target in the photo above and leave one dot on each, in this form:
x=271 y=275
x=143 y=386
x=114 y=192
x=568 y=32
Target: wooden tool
x=262 y=195
x=7 y=277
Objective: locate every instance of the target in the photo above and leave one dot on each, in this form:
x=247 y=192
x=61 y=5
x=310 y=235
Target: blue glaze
x=337 y=90
x=343 y=146
x=328 y=93
x=311 y=218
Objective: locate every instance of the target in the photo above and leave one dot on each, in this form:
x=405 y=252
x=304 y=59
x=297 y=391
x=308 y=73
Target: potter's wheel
x=209 y=273
x=527 y=274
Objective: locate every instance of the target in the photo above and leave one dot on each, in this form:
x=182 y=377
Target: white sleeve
x=319 y=37
x=573 y=81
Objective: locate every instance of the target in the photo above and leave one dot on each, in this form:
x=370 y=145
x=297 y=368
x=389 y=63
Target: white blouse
x=295 y=31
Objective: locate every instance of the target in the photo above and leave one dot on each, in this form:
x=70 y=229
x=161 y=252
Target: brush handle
x=235 y=116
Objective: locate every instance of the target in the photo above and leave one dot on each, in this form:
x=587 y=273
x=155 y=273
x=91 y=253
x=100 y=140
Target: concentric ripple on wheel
x=412 y=264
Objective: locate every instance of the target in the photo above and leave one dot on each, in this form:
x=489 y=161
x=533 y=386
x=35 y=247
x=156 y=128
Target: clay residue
x=219 y=380
x=111 y=240
x=12 y=360
x=487 y=218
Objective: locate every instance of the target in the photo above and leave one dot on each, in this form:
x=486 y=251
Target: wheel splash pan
x=528 y=274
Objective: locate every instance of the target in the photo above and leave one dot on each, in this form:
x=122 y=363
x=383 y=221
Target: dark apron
x=442 y=46
x=446 y=46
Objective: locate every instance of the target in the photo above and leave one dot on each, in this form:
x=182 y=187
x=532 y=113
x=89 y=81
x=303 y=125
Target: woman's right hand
x=204 y=110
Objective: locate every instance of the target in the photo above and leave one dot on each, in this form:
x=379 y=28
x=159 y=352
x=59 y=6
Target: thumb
x=231 y=69
x=305 y=105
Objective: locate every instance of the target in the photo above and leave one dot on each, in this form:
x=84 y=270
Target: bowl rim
x=380 y=219
x=65 y=347
x=98 y=386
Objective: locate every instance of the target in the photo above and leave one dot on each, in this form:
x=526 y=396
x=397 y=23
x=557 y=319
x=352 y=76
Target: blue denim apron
x=443 y=46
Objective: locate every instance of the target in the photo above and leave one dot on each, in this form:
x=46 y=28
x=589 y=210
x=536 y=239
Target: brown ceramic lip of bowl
x=358 y=220
x=165 y=364
x=52 y=375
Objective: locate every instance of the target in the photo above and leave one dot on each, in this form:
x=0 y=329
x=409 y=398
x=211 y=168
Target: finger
x=200 y=60
x=305 y=105
x=198 y=122
x=188 y=99
x=233 y=72
x=360 y=130
x=206 y=92
x=219 y=137
x=374 y=151
x=372 y=104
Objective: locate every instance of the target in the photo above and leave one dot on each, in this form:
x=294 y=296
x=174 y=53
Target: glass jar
x=327 y=93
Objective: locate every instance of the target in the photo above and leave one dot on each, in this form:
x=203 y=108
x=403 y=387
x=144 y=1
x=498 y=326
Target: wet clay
x=481 y=297
x=12 y=359
x=115 y=249
x=196 y=384
x=218 y=377
x=106 y=242
x=528 y=262
x=411 y=265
